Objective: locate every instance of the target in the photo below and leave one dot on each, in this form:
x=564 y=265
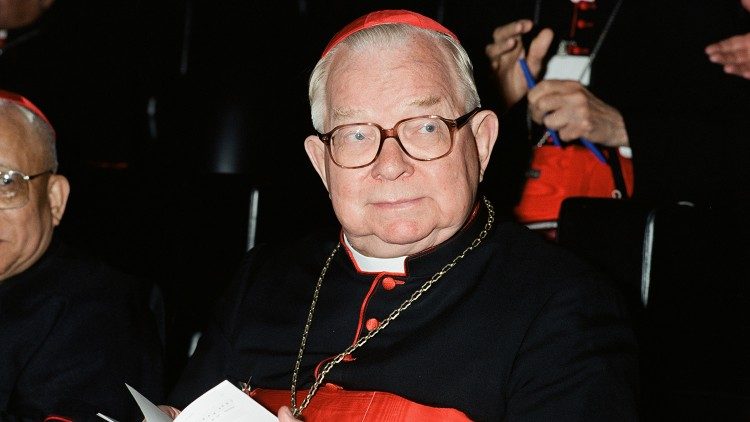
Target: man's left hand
x=285 y=415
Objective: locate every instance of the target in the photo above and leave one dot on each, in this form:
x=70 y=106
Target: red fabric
x=386 y=16
x=57 y=418
x=562 y=173
x=332 y=403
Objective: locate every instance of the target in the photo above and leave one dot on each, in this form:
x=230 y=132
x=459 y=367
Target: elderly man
x=424 y=305
x=72 y=330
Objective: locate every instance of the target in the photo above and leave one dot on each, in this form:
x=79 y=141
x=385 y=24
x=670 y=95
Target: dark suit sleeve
x=93 y=342
x=578 y=359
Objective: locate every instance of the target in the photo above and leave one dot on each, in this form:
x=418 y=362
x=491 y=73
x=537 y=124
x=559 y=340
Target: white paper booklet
x=222 y=403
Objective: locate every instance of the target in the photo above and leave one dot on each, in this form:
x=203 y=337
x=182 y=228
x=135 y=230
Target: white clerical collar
x=376 y=265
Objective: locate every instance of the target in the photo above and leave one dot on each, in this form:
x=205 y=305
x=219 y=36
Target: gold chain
x=393 y=315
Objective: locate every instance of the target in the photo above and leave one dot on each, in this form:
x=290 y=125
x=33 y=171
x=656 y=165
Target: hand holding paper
x=222 y=403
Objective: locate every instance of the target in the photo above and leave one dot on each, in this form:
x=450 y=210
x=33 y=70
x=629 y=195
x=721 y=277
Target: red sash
x=332 y=403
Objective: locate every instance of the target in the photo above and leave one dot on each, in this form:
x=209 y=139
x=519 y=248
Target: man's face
x=25 y=232
x=397 y=205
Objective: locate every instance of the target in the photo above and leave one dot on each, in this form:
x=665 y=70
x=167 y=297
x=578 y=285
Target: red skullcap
x=383 y=17
x=25 y=103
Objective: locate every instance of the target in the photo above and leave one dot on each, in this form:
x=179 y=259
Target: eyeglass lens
x=13 y=189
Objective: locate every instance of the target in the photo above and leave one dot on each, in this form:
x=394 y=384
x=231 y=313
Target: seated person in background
x=72 y=330
x=640 y=95
x=425 y=305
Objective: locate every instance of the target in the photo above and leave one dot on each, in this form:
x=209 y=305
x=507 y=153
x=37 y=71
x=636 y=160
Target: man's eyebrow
x=342 y=113
x=426 y=102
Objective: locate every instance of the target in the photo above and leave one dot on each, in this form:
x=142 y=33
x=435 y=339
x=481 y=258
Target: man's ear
x=316 y=152
x=58 y=189
x=485 y=126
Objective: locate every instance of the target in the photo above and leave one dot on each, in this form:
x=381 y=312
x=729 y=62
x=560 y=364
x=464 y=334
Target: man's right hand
x=505 y=51
x=169 y=410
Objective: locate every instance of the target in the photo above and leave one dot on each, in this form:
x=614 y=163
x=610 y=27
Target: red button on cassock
x=372 y=324
x=389 y=283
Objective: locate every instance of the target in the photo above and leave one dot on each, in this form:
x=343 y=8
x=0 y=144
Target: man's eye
x=429 y=128
x=356 y=135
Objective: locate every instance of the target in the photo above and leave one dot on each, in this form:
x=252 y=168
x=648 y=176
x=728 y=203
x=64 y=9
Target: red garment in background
x=557 y=173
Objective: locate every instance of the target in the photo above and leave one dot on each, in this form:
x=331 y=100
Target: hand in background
x=505 y=51
x=572 y=110
x=733 y=54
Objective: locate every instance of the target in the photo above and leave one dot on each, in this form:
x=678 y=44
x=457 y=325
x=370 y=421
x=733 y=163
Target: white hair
x=384 y=35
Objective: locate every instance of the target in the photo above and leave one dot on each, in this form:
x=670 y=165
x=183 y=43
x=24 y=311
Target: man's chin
x=404 y=234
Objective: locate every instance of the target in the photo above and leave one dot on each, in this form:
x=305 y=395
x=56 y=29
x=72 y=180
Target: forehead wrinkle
x=5 y=166
x=432 y=84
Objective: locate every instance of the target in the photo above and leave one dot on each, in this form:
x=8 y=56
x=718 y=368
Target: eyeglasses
x=14 y=188
x=423 y=138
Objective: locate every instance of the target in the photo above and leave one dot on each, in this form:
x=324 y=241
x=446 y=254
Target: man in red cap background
x=424 y=304
x=72 y=330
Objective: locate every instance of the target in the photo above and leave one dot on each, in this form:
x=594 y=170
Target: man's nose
x=392 y=161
